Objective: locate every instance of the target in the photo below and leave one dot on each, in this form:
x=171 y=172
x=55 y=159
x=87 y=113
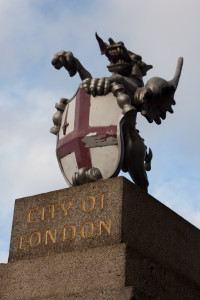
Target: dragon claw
x=65 y=59
x=86 y=175
x=96 y=86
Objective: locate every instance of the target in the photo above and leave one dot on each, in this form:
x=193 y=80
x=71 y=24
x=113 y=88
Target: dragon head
x=121 y=59
x=118 y=55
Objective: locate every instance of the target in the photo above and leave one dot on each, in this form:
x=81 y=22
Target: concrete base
x=145 y=251
x=108 y=272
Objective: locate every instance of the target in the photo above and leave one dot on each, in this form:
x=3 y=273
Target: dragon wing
x=158 y=96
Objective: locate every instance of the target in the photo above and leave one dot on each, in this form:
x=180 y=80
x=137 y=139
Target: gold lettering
x=52 y=205
x=42 y=214
x=103 y=199
x=20 y=243
x=83 y=230
x=67 y=208
x=73 y=228
x=48 y=233
x=29 y=215
x=38 y=240
x=92 y=204
x=101 y=223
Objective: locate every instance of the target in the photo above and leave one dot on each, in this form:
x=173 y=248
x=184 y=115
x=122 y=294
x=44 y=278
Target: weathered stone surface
x=135 y=217
x=88 y=205
x=67 y=273
x=124 y=293
x=161 y=234
x=102 y=271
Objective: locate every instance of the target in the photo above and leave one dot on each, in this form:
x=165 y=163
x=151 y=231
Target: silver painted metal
x=57 y=117
x=153 y=100
x=93 y=150
x=86 y=175
x=123 y=99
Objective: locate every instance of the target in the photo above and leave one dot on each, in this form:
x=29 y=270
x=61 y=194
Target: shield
x=89 y=135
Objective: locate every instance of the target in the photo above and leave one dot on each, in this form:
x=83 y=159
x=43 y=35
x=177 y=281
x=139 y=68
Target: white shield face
x=89 y=135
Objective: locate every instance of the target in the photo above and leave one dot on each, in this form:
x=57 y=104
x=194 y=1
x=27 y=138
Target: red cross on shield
x=89 y=135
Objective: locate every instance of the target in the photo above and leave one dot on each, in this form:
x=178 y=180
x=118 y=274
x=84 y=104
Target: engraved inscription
x=89 y=232
x=68 y=228
x=103 y=198
x=29 y=215
x=88 y=203
x=107 y=228
x=35 y=214
x=20 y=247
x=42 y=213
x=66 y=208
x=66 y=232
x=51 y=236
x=34 y=239
x=52 y=206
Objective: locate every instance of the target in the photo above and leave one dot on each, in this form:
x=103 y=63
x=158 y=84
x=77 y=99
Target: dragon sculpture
x=152 y=100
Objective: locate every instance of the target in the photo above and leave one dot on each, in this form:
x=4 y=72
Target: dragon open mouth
x=115 y=52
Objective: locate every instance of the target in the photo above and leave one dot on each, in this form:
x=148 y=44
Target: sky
x=32 y=31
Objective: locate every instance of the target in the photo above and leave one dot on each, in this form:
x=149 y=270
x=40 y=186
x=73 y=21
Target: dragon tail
x=174 y=82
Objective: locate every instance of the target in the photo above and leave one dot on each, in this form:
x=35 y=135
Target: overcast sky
x=32 y=31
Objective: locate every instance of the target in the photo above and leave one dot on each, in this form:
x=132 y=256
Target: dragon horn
x=102 y=44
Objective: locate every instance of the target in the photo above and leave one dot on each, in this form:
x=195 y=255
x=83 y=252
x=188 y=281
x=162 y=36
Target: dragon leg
x=135 y=154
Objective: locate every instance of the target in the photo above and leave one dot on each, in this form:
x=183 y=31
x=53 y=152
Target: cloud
x=182 y=196
x=3 y=257
x=28 y=147
x=4 y=249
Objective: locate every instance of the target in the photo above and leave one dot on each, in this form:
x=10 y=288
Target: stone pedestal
x=103 y=240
